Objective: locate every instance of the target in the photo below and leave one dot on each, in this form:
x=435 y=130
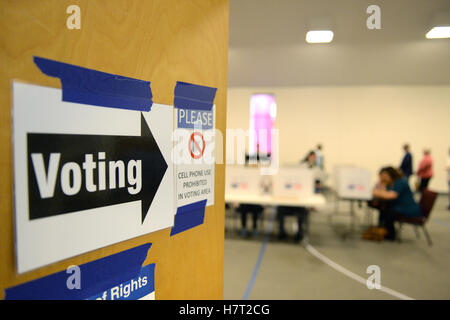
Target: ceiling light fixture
x=319 y=36
x=439 y=26
x=438 y=32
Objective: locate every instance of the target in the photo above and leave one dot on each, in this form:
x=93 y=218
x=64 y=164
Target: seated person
x=255 y=210
x=245 y=209
x=309 y=162
x=380 y=205
x=301 y=214
x=394 y=188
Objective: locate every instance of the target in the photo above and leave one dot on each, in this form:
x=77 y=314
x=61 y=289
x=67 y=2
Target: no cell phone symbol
x=196 y=145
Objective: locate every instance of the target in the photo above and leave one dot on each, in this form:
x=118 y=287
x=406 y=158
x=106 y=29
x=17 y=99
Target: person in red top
x=425 y=172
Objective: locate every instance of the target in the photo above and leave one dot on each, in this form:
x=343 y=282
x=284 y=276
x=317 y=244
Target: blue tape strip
x=87 y=86
x=96 y=276
x=189 y=216
x=193 y=96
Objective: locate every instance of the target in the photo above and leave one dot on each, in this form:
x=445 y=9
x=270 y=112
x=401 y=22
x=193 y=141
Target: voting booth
x=353 y=182
x=289 y=181
x=243 y=180
x=96 y=202
x=293 y=182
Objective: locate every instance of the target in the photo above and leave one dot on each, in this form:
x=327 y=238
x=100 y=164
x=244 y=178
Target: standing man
x=319 y=156
x=406 y=165
x=425 y=171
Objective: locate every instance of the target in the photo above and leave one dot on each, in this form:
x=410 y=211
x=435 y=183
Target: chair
x=426 y=204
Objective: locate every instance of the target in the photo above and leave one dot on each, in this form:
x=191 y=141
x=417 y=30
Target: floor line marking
x=260 y=258
x=350 y=274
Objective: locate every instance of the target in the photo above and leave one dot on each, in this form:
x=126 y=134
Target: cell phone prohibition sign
x=196 y=145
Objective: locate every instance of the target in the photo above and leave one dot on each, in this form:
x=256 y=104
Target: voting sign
x=86 y=176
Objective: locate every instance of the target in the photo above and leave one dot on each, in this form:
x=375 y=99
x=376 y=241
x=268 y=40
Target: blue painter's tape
x=193 y=96
x=88 y=86
x=96 y=276
x=189 y=216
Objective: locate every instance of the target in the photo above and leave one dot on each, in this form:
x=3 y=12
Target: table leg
x=352 y=228
x=305 y=240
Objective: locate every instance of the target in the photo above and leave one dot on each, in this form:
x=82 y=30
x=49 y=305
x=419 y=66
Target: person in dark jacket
x=406 y=165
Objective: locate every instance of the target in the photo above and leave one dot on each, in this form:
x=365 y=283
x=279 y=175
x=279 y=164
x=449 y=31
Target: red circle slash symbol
x=194 y=147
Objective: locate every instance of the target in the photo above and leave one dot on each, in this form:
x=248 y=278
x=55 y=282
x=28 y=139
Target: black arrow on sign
x=74 y=148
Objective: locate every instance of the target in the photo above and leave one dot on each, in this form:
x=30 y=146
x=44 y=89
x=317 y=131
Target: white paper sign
x=194 y=147
x=85 y=176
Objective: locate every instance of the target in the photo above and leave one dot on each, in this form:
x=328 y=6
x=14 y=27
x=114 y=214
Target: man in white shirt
x=319 y=156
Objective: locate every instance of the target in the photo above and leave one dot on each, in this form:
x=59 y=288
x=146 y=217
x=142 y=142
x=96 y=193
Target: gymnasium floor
x=332 y=267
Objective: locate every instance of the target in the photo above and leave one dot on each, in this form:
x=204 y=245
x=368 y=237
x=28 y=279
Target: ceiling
x=268 y=48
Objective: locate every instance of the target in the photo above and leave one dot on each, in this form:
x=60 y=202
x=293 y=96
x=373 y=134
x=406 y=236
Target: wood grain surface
x=162 y=41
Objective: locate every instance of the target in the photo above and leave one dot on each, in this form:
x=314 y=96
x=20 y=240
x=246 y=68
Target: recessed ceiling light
x=319 y=36
x=438 y=32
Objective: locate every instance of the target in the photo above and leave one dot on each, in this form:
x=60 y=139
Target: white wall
x=361 y=125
